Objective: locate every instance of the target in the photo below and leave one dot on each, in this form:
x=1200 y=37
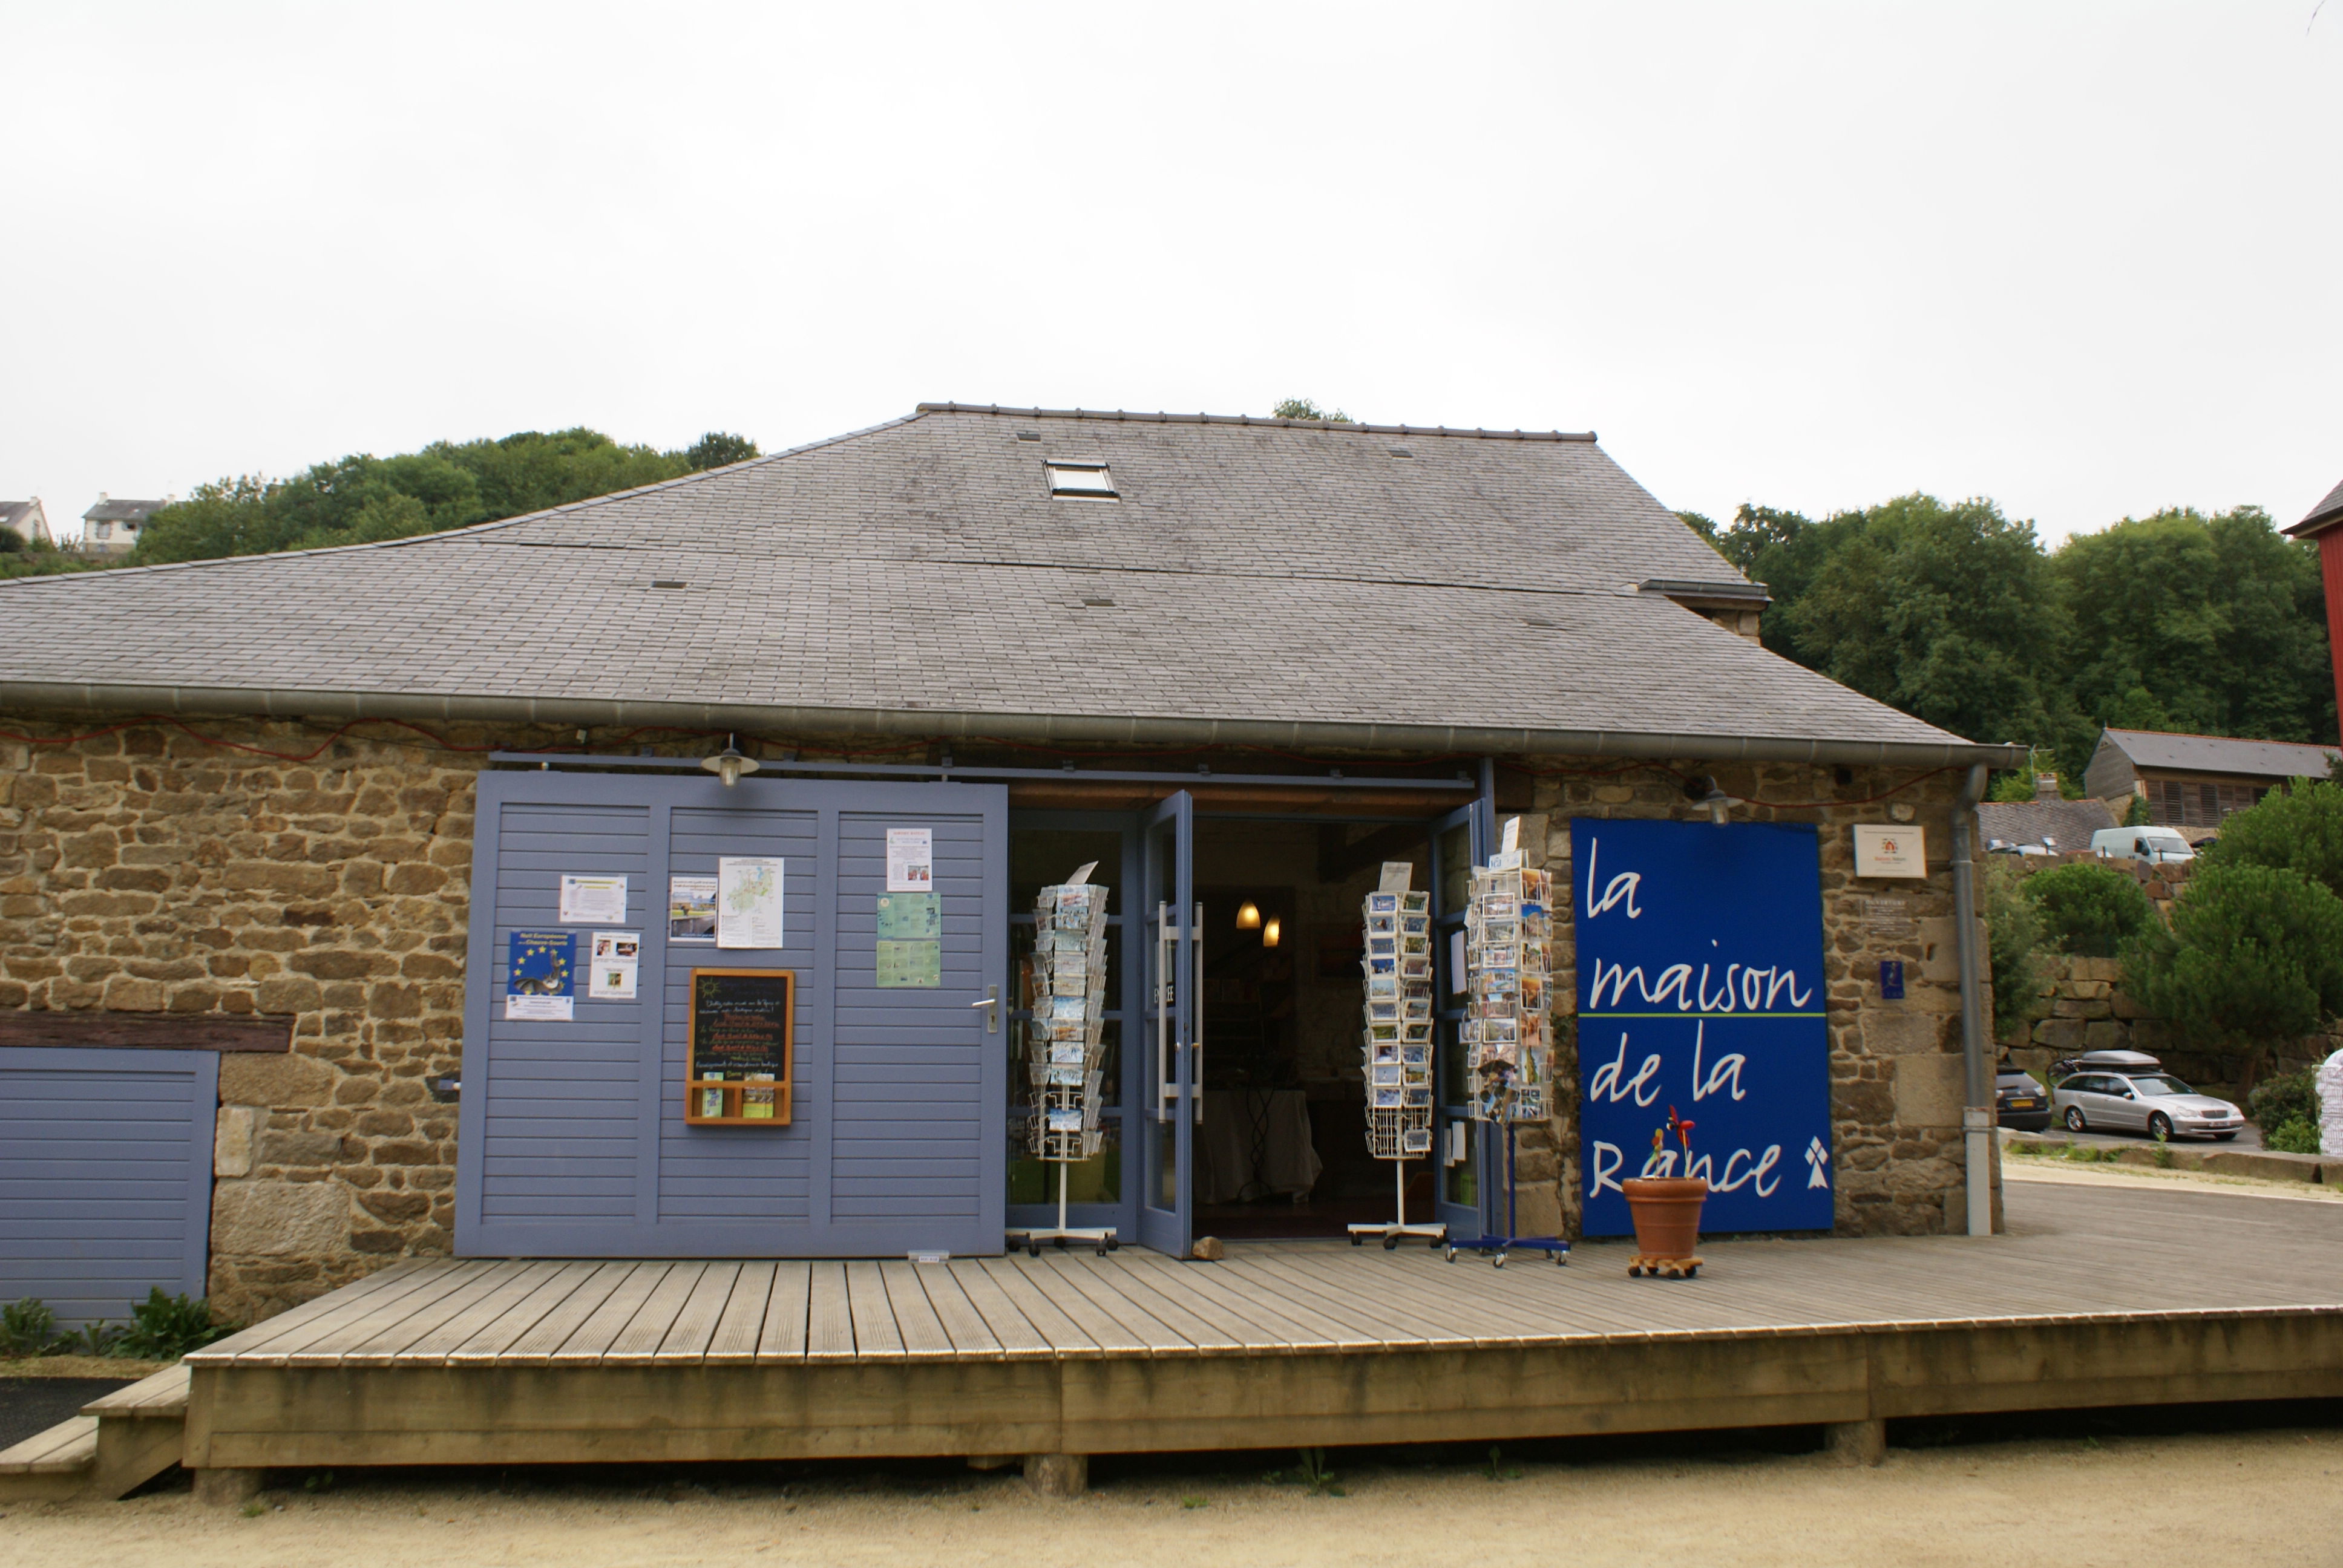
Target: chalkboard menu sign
x=737 y=1060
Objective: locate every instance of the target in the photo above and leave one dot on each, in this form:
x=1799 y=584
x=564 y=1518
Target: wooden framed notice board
x=737 y=1060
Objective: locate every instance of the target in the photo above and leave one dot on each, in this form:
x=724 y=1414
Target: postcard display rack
x=1507 y=1032
x=1065 y=1058
x=1397 y=1041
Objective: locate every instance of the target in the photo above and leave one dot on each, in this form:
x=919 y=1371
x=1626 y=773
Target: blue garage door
x=106 y=1176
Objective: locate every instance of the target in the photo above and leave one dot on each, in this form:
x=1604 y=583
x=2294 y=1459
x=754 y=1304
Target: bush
x=165 y=1328
x=2293 y=1136
x=2255 y=955
x=2012 y=929
x=2090 y=908
x=27 y=1327
x=2292 y=1097
x=2301 y=831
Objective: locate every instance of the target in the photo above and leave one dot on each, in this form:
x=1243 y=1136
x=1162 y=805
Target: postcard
x=1382 y=903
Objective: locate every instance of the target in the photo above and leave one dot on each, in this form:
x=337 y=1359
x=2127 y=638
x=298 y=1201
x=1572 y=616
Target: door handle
x=992 y=1003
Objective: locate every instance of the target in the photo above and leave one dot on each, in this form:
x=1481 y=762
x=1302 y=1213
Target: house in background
x=25 y=519
x=2048 y=819
x=2325 y=524
x=2195 y=780
x=112 y=527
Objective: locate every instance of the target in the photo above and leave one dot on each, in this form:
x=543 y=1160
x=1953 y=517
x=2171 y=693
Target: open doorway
x=1281 y=1143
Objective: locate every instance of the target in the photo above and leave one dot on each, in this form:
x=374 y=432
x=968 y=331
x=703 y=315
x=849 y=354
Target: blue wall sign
x=1700 y=986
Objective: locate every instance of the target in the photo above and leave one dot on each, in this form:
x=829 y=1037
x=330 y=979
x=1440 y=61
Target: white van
x=2156 y=846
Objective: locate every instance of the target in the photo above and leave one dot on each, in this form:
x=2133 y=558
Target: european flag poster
x=1700 y=988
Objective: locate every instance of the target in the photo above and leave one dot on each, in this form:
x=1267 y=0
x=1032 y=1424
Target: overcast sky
x=2086 y=260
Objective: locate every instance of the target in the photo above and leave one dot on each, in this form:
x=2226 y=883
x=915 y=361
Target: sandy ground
x=2236 y=1498
x=2058 y=1168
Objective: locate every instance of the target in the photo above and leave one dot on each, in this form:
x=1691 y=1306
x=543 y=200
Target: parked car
x=2156 y=846
x=2018 y=1101
x=2138 y=1100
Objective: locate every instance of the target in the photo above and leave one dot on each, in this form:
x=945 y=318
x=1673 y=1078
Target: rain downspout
x=1976 y=1114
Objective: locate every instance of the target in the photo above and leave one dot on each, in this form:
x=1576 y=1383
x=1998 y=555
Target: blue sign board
x=1700 y=988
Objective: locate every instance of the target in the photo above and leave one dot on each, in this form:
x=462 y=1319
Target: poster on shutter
x=542 y=976
x=911 y=860
x=749 y=901
x=612 y=968
x=593 y=901
x=1700 y=987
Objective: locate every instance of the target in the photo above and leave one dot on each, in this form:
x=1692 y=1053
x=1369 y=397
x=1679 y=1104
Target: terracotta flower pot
x=1666 y=1211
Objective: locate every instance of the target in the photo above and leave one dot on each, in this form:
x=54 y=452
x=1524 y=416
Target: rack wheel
x=1498 y=1262
x=1032 y=1249
x=1357 y=1239
x=1101 y=1248
x=1391 y=1243
x=1452 y=1255
x=1437 y=1243
x=1562 y=1260
x=1113 y=1244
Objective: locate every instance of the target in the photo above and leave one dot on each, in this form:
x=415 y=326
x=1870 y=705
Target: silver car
x=2155 y=1104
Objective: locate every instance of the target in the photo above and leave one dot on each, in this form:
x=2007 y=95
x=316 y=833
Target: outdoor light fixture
x=1248 y=916
x=729 y=764
x=1271 y=933
x=1701 y=790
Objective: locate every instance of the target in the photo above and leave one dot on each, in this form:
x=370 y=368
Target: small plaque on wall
x=737 y=1055
x=1890 y=850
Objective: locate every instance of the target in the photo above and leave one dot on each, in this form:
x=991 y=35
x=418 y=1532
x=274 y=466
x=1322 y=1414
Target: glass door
x=1170 y=1051
x=1463 y=1156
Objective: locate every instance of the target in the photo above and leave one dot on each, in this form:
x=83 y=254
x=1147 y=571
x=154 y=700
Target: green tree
x=1946 y=612
x=2089 y=908
x=2255 y=957
x=2212 y=624
x=717 y=449
x=2300 y=829
x=2013 y=931
x=1303 y=409
x=362 y=499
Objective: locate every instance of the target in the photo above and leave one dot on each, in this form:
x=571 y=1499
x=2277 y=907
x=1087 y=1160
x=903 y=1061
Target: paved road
x=2248 y=1137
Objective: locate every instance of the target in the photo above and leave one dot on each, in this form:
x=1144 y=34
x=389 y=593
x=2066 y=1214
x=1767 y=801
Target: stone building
x=249 y=836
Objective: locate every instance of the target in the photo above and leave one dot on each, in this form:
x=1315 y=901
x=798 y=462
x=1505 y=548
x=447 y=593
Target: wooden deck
x=2096 y=1298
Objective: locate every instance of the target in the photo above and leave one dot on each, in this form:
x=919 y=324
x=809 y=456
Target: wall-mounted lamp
x=729 y=764
x=1271 y=931
x=1701 y=790
x=1248 y=916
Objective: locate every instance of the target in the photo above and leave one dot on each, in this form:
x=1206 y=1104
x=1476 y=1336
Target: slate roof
x=115 y=509
x=2069 y=824
x=2324 y=516
x=1259 y=580
x=12 y=514
x=2220 y=754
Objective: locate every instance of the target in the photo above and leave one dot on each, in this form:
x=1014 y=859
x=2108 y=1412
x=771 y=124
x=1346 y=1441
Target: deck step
x=58 y=1462
x=118 y=1443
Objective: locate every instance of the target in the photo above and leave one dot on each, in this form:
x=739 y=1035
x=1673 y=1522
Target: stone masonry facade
x=283 y=869
x=1898 y=1086
x=146 y=870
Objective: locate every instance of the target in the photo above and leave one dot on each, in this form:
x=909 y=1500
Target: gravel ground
x=2087 y=1495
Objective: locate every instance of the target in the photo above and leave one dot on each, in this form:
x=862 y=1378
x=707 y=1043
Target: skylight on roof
x=1086 y=479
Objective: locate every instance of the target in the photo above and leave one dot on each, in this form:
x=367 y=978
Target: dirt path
x=2233 y=1499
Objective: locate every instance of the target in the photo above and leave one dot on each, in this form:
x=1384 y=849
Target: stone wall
x=241 y=866
x=2080 y=1005
x=1897 y=1079
x=143 y=869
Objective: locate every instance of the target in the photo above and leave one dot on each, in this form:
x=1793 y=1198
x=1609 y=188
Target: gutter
x=1976 y=1110
x=943 y=724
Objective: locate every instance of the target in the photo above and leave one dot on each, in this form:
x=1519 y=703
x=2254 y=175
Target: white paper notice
x=748 y=902
x=541 y=1009
x=617 y=956
x=1397 y=875
x=593 y=900
x=911 y=860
